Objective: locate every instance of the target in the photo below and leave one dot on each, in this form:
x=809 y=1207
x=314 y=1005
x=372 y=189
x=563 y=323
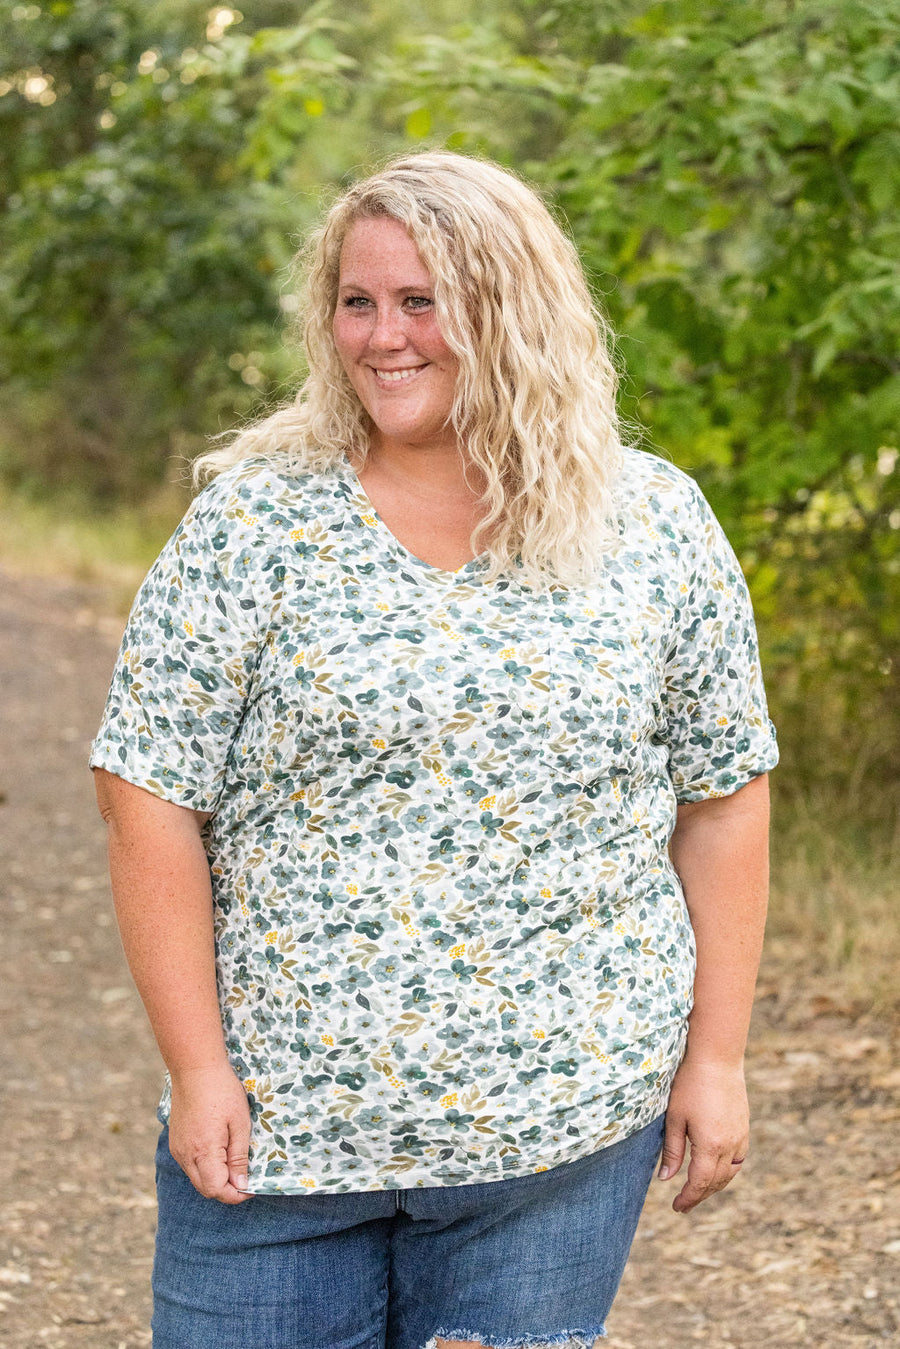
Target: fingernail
x=665 y=1172
x=241 y=1183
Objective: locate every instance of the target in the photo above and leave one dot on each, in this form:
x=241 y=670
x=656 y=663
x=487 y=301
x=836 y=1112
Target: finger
x=212 y=1175
x=707 y=1174
x=207 y=1170
x=238 y=1155
x=230 y=1195
x=674 y=1145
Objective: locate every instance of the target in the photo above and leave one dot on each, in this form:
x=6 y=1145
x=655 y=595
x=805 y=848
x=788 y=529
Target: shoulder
x=651 y=485
x=259 y=491
x=252 y=511
x=240 y=528
x=663 y=513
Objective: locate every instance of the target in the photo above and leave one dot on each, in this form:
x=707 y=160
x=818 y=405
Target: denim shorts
x=523 y=1262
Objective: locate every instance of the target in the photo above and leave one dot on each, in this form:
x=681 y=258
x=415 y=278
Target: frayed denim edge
x=567 y=1339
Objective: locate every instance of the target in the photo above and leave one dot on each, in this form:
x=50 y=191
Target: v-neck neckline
x=469 y=569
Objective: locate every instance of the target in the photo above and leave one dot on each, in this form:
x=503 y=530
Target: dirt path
x=804 y=1250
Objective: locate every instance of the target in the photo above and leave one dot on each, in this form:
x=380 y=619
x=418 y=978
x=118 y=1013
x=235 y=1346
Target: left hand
x=708 y=1108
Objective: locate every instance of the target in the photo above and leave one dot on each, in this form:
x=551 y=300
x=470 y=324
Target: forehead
x=380 y=247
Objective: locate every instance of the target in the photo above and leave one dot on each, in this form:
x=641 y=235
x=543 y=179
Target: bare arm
x=720 y=851
x=163 y=899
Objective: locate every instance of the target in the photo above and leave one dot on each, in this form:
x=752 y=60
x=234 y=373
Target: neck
x=436 y=471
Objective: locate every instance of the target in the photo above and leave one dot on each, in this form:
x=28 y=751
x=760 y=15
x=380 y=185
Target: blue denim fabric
x=529 y=1261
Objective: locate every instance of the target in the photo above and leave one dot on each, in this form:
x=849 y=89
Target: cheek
x=344 y=335
x=339 y=339
x=437 y=347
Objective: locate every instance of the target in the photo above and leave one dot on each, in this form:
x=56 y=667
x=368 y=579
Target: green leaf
x=418 y=124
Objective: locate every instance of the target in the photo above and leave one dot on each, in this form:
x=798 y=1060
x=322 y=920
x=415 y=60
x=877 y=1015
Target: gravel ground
x=803 y=1250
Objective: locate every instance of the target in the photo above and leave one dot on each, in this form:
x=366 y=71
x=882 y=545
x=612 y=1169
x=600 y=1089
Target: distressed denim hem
x=566 y=1339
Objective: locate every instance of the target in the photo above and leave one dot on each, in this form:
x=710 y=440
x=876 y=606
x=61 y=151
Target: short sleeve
x=717 y=726
x=181 y=680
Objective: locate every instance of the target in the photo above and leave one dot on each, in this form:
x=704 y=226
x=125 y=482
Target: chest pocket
x=605 y=684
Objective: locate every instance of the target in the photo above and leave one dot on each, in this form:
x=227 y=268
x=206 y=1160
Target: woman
x=408 y=717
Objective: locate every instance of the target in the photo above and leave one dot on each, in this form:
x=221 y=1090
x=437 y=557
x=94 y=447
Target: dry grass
x=835 y=889
x=109 y=547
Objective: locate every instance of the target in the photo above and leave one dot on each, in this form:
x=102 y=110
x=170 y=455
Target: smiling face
x=388 y=339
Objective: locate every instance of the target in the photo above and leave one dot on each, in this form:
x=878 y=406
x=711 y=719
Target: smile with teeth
x=396 y=376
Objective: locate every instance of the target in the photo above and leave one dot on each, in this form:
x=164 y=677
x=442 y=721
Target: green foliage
x=731 y=174
x=145 y=248
x=733 y=179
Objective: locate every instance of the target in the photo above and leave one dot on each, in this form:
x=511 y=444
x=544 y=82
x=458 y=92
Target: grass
x=110 y=547
x=835 y=890
x=835 y=855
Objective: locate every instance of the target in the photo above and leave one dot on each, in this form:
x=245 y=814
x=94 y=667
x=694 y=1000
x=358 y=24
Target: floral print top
x=451 y=946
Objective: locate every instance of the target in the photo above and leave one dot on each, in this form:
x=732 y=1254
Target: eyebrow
x=401 y=290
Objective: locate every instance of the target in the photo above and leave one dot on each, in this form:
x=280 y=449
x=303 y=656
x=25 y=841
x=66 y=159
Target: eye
x=419 y=302
x=354 y=302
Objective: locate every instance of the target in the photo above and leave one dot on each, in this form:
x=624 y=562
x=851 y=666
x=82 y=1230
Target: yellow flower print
x=486 y=802
x=539 y=1034
x=395 y=1081
x=297 y=534
x=382 y=607
x=271 y=938
x=327 y=1039
x=508 y=652
x=456 y=951
x=352 y=889
x=308 y=1183
x=378 y=744
x=189 y=628
x=249 y=1084
x=546 y=893
x=721 y=721
x=298 y=796
x=368 y=519
x=446 y=1101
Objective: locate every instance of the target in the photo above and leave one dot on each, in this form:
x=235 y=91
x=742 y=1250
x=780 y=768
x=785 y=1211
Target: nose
x=388 y=331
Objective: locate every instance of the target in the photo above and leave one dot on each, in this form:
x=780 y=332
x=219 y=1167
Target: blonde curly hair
x=534 y=406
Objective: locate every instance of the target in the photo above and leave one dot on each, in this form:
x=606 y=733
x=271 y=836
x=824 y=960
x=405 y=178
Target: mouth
x=397 y=376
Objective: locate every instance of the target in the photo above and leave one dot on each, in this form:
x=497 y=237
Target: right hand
x=209 y=1131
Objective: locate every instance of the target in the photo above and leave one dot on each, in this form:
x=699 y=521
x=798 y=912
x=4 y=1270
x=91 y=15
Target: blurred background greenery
x=731 y=175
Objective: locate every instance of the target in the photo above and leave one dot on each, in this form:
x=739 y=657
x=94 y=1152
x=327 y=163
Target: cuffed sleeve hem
x=162 y=780
x=728 y=781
